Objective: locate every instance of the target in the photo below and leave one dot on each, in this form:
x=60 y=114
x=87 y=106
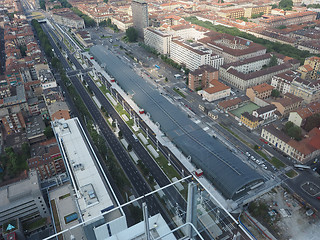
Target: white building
x=188 y=32
x=265 y=112
x=215 y=91
x=193 y=55
x=157 y=40
x=93 y=195
x=283 y=81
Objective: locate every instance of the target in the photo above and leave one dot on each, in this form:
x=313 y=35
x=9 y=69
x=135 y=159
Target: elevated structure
x=228 y=173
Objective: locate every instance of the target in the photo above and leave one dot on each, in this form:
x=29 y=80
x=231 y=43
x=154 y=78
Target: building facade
x=22 y=200
x=201 y=77
x=261 y=91
x=295 y=18
x=232 y=48
x=157 y=40
x=193 y=55
x=309 y=91
x=216 y=90
x=69 y=19
x=282 y=81
x=140 y=15
x=250 y=121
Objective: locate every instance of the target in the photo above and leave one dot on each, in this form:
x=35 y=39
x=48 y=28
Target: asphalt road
x=121 y=154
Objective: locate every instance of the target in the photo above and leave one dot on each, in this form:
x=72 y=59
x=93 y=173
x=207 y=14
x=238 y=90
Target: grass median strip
x=291 y=174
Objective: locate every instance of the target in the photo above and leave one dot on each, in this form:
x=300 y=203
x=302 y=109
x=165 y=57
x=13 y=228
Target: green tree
x=273 y=61
x=275 y=93
x=312 y=122
x=120 y=134
x=293 y=131
x=103 y=23
x=273 y=6
x=286 y=4
x=129 y=147
x=282 y=27
x=132 y=34
x=48 y=132
x=105 y=1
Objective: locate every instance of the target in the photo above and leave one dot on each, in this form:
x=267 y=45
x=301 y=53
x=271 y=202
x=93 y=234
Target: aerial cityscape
x=149 y=120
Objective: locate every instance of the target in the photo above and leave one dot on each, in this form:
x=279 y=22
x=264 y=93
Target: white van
x=135 y=137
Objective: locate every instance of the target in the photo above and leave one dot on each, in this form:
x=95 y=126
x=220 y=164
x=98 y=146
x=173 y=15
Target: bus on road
x=301 y=167
x=157 y=66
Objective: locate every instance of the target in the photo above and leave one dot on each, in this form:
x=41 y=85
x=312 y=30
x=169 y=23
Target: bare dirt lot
x=284 y=217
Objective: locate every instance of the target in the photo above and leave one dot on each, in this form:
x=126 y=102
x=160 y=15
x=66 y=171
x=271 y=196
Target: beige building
x=314 y=63
x=309 y=91
x=251 y=72
x=282 y=81
x=122 y=22
x=69 y=19
x=157 y=40
x=302 y=151
x=262 y=91
x=295 y=18
x=232 y=48
x=299 y=116
x=287 y=104
x=215 y=91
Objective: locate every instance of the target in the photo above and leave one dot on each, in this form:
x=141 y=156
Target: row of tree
x=88 y=21
x=109 y=24
x=43 y=38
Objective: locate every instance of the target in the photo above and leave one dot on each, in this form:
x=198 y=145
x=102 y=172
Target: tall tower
x=140 y=15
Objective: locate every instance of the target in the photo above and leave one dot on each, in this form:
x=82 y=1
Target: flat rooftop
x=228 y=173
x=92 y=194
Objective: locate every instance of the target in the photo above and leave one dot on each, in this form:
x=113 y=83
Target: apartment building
x=314 y=63
x=188 y=31
x=216 y=90
x=261 y=91
x=23 y=200
x=201 y=77
x=232 y=48
x=67 y=18
x=302 y=151
x=46 y=160
x=282 y=81
x=253 y=71
x=250 y=121
x=265 y=112
x=287 y=104
x=59 y=110
x=193 y=55
x=157 y=40
x=294 y=18
x=232 y=13
x=309 y=91
x=13 y=123
x=123 y=22
x=231 y=104
x=299 y=116
x=140 y=15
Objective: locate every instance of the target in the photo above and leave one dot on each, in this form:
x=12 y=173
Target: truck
x=141 y=111
x=199 y=173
